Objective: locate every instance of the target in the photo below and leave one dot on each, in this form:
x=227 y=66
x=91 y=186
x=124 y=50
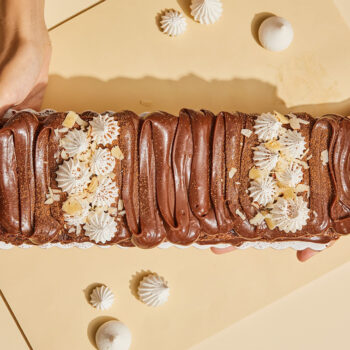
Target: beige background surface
x=113 y=56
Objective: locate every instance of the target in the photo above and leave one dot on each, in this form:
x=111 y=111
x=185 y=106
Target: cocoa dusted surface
x=173 y=180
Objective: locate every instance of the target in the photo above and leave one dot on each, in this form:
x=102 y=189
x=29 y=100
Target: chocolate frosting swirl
x=174 y=179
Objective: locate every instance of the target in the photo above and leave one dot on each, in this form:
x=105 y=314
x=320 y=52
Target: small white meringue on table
x=276 y=33
x=206 y=11
x=113 y=335
x=173 y=23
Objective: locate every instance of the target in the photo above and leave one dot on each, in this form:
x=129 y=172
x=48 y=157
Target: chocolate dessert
x=196 y=178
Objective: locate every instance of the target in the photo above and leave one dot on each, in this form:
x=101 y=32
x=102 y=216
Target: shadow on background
x=256 y=23
x=151 y=94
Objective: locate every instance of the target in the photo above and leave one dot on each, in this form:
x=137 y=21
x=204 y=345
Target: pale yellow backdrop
x=113 y=56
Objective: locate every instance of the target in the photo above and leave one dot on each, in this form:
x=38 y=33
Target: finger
x=306 y=254
x=222 y=250
x=18 y=76
x=34 y=99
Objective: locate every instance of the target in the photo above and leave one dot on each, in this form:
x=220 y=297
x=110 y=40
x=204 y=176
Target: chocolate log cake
x=193 y=179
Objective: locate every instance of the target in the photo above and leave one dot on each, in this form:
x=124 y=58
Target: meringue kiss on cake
x=192 y=179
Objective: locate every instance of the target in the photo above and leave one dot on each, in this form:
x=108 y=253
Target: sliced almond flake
x=257 y=219
x=309 y=157
x=78 y=231
x=71 y=230
x=120 y=204
x=56 y=197
x=117 y=153
x=269 y=206
x=93 y=184
x=304 y=154
x=123 y=212
x=246 y=132
x=273 y=145
x=281 y=117
x=81 y=122
x=63 y=130
x=237 y=183
x=289 y=193
x=49 y=201
x=70 y=119
x=270 y=223
x=64 y=155
x=112 y=175
x=255 y=173
x=240 y=214
x=56 y=132
x=255 y=205
x=324 y=157
x=302 y=163
x=294 y=123
x=302 y=188
x=315 y=213
x=72 y=206
x=56 y=190
x=232 y=173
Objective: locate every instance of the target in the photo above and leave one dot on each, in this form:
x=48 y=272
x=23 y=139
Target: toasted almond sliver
x=254 y=173
x=246 y=132
x=273 y=145
x=302 y=163
x=289 y=193
x=70 y=119
x=72 y=206
x=56 y=190
x=120 y=204
x=63 y=130
x=282 y=118
x=294 y=123
x=123 y=212
x=81 y=122
x=232 y=173
x=56 y=197
x=64 y=155
x=240 y=214
x=93 y=184
x=270 y=223
x=117 y=153
x=257 y=219
x=302 y=188
x=49 y=201
x=324 y=157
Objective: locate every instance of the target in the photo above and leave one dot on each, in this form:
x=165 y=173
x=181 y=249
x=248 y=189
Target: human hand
x=25 y=55
x=302 y=255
